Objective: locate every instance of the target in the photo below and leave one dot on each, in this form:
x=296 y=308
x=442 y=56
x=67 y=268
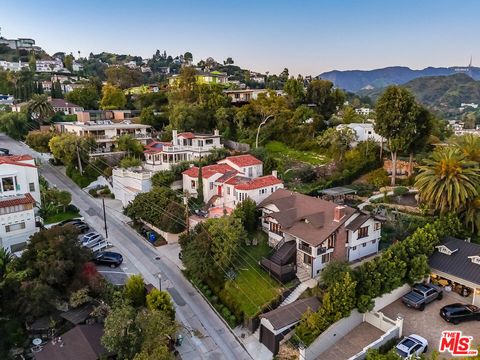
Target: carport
x=455 y=264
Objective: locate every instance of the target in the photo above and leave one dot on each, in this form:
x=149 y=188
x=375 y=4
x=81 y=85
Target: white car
x=92 y=240
x=89 y=235
x=411 y=347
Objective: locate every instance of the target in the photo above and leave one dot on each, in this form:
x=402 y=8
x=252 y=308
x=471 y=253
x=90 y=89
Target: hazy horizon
x=307 y=38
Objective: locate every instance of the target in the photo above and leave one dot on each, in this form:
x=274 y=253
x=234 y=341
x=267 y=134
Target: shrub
x=378 y=178
x=93 y=192
x=400 y=190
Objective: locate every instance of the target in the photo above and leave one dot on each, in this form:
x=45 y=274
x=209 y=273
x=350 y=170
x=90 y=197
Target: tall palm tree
x=40 y=108
x=469 y=145
x=448 y=180
x=471 y=215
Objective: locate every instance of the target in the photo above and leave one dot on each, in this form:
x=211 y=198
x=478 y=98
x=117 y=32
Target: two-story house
x=128 y=183
x=106 y=132
x=322 y=230
x=231 y=181
x=186 y=146
x=19 y=193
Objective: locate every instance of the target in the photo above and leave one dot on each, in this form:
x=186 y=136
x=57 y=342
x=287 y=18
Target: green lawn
x=61 y=217
x=253 y=287
x=280 y=150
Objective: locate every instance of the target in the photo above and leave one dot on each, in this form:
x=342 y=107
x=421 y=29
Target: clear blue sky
x=306 y=36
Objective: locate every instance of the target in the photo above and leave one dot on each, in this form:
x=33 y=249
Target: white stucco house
x=19 y=194
x=363 y=131
x=231 y=181
x=186 y=146
x=128 y=183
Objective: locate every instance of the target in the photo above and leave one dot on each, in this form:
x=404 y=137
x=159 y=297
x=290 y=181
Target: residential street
x=212 y=339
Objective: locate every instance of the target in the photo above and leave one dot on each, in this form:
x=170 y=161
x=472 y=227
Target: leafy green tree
x=471 y=215
x=32 y=62
x=188 y=56
x=135 y=291
x=159 y=353
x=130 y=145
x=186 y=87
x=197 y=254
x=418 y=269
x=14 y=124
x=423 y=129
x=295 y=91
x=112 y=98
x=333 y=272
x=38 y=140
x=128 y=162
x=448 y=180
x=163 y=178
x=60 y=199
x=397 y=113
x=86 y=96
x=148 y=116
x=5 y=259
x=161 y=300
x=378 y=178
x=200 y=185
x=160 y=207
x=349 y=115
x=248 y=214
x=68 y=62
x=337 y=142
x=326 y=99
x=469 y=146
x=229 y=61
x=123 y=77
x=40 y=108
x=64 y=148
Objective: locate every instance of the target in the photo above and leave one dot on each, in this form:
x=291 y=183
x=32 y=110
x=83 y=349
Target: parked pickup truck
x=421 y=295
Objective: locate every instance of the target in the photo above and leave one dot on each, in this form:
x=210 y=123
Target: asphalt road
x=207 y=337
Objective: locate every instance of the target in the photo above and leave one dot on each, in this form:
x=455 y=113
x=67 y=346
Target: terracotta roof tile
x=259 y=183
x=16 y=200
x=208 y=171
x=187 y=135
x=243 y=160
x=16 y=160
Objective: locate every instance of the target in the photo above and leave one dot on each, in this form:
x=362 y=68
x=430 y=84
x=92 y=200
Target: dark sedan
x=108 y=258
x=457 y=313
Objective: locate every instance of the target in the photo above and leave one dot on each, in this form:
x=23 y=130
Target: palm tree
x=448 y=180
x=5 y=259
x=471 y=215
x=40 y=108
x=469 y=145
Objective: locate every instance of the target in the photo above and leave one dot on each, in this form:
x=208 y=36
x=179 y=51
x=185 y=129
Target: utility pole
x=105 y=218
x=187 y=217
x=78 y=157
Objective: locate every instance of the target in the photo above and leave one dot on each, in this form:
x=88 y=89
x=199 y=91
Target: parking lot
x=429 y=324
x=118 y=275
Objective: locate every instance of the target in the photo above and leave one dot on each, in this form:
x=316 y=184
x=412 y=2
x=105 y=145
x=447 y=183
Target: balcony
x=305 y=248
x=184 y=148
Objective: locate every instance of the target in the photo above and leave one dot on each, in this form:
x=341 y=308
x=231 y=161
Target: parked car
x=4 y=152
x=89 y=235
x=69 y=221
x=92 y=240
x=81 y=227
x=109 y=258
x=457 y=313
x=421 y=295
x=411 y=347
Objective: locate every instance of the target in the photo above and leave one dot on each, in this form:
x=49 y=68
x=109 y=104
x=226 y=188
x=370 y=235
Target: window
x=31 y=186
x=209 y=142
x=354 y=248
x=200 y=143
x=275 y=228
x=374 y=241
x=250 y=172
x=363 y=232
x=228 y=190
x=377 y=226
x=192 y=184
x=211 y=185
x=331 y=241
x=8 y=184
x=307 y=259
x=364 y=244
x=14 y=227
x=326 y=258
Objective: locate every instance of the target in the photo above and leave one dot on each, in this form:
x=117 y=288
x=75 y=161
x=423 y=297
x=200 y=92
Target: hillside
x=355 y=80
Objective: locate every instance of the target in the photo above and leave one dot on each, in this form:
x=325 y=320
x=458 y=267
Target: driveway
x=429 y=324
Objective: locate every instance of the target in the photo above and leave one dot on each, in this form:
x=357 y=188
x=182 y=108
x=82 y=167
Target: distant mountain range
x=356 y=80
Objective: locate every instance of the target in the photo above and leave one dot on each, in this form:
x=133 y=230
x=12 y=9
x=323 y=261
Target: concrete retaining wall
x=387 y=299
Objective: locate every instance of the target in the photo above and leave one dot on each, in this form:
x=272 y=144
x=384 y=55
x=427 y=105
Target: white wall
x=362 y=250
x=25 y=175
x=387 y=299
x=358 y=248
x=124 y=180
x=17 y=236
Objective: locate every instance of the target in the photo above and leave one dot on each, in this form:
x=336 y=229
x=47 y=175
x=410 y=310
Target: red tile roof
x=208 y=171
x=258 y=183
x=187 y=135
x=16 y=160
x=12 y=201
x=243 y=160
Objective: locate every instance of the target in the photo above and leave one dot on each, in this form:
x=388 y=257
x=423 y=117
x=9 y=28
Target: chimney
x=339 y=213
x=174 y=137
x=275 y=173
x=216 y=132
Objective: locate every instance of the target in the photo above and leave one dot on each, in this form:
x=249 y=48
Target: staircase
x=285 y=253
x=310 y=283
x=302 y=274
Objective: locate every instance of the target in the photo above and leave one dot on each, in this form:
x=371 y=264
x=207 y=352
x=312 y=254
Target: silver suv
x=91 y=239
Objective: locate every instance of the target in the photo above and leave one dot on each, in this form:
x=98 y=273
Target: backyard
x=55 y=218
x=281 y=151
x=253 y=289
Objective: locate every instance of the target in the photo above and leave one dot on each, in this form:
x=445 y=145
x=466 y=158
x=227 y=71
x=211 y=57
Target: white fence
x=392 y=328
x=171 y=238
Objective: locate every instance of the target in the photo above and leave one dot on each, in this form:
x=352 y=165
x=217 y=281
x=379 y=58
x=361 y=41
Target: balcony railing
x=177 y=148
x=283 y=273
x=305 y=248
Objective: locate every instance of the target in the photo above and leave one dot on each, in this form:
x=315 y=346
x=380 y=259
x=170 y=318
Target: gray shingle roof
x=357 y=222
x=291 y=313
x=458 y=264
